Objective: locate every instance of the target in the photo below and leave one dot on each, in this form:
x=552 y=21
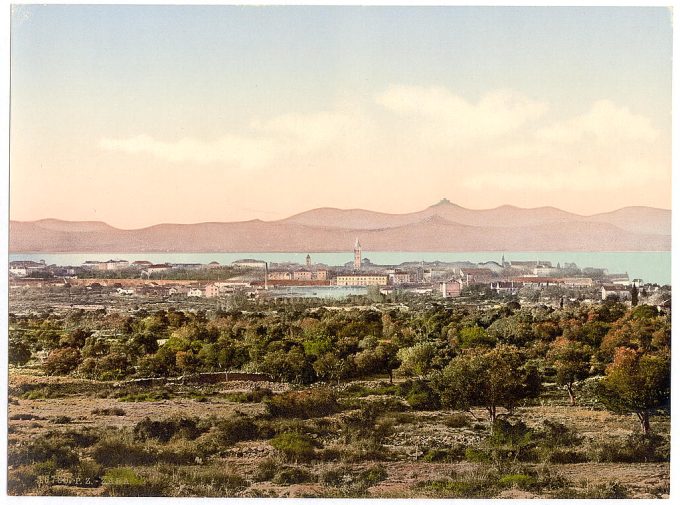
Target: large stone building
x=361 y=280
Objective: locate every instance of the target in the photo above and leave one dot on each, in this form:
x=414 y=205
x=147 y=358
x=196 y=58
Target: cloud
x=263 y=142
x=245 y=151
x=581 y=177
x=446 y=117
x=605 y=122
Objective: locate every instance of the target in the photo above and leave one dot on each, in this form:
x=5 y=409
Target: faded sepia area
x=327 y=252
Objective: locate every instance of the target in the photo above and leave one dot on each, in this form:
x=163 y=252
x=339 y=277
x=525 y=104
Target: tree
x=62 y=361
x=417 y=360
x=499 y=377
x=637 y=382
x=572 y=363
x=18 y=352
x=474 y=336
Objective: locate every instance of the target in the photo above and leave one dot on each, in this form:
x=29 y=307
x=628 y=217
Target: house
x=123 y=291
x=25 y=268
x=615 y=291
x=399 y=277
x=361 y=280
x=195 y=293
x=249 y=263
x=279 y=275
x=620 y=279
x=154 y=269
x=451 y=288
x=545 y=271
x=302 y=275
x=472 y=276
x=505 y=287
x=577 y=282
x=141 y=264
x=491 y=265
x=319 y=275
x=211 y=291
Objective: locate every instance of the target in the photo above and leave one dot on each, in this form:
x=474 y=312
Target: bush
x=457 y=420
x=124 y=481
x=317 y=402
x=294 y=446
x=565 y=456
x=257 y=395
x=265 y=470
x=294 y=475
x=115 y=452
x=21 y=480
x=517 y=480
x=62 y=420
x=235 y=429
x=372 y=475
x=636 y=448
x=115 y=411
x=554 y=434
x=450 y=455
x=51 y=446
x=164 y=430
x=419 y=395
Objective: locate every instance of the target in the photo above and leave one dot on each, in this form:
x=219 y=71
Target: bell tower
x=357 y=255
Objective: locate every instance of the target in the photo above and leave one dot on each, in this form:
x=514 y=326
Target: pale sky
x=138 y=115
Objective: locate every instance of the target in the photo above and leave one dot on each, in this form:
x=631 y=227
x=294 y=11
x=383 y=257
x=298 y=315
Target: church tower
x=308 y=261
x=357 y=255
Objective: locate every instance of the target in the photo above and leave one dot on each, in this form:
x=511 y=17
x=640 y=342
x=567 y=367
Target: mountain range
x=444 y=226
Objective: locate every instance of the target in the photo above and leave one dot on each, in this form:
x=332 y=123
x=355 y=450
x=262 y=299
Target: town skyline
x=138 y=115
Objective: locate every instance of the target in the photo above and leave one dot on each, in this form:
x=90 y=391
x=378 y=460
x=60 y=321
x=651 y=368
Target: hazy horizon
x=343 y=210
x=138 y=115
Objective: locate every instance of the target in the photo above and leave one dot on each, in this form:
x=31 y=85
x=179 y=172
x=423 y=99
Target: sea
x=652 y=267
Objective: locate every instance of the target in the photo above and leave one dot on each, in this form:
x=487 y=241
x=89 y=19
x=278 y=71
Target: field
x=360 y=439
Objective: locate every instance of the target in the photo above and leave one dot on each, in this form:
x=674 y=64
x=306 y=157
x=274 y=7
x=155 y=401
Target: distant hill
x=441 y=227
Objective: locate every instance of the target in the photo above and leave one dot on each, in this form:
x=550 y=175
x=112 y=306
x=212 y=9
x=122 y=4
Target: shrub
x=636 y=448
x=566 y=456
x=62 y=420
x=457 y=420
x=115 y=411
x=554 y=434
x=317 y=402
x=450 y=455
x=419 y=395
x=475 y=455
x=338 y=476
x=25 y=417
x=115 y=452
x=293 y=475
x=372 y=475
x=235 y=429
x=123 y=481
x=517 y=480
x=294 y=446
x=257 y=395
x=164 y=430
x=21 y=480
x=51 y=446
x=265 y=470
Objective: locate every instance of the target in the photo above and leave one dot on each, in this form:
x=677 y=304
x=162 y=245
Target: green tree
x=637 y=382
x=18 y=352
x=499 y=377
x=572 y=363
x=417 y=360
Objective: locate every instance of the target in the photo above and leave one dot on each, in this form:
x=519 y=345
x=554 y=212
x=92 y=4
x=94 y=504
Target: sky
x=138 y=115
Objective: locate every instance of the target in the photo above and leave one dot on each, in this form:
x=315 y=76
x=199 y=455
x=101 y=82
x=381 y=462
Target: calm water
x=649 y=266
